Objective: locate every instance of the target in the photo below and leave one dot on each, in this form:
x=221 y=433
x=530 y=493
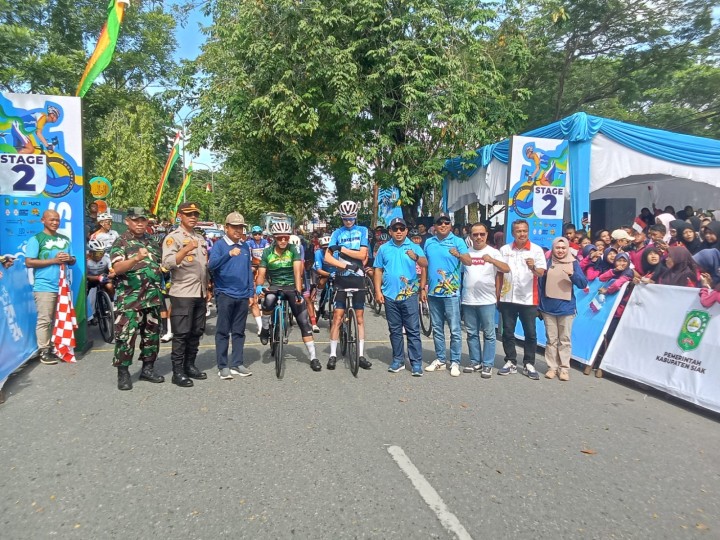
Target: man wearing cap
x=397 y=285
x=446 y=253
x=135 y=259
x=231 y=269
x=185 y=256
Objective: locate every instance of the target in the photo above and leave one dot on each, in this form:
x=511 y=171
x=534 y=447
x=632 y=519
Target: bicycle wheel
x=352 y=342
x=343 y=335
x=369 y=292
x=105 y=315
x=272 y=339
x=425 y=320
x=279 y=337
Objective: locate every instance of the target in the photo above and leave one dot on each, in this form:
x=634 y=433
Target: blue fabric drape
x=579 y=129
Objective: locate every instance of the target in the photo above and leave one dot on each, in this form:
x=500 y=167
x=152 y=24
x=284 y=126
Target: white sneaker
x=167 y=337
x=240 y=370
x=316 y=329
x=224 y=374
x=455 y=369
x=436 y=365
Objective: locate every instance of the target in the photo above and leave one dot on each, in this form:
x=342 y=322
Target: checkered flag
x=63 y=338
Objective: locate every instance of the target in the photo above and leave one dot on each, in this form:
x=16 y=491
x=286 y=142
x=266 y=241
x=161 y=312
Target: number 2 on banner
x=22 y=179
x=548 y=202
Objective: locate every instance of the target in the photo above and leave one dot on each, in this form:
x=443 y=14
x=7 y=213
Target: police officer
x=135 y=258
x=185 y=255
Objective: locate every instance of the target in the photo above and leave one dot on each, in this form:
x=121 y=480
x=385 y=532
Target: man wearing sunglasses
x=348 y=252
x=282 y=266
x=479 y=300
x=396 y=285
x=446 y=253
x=185 y=255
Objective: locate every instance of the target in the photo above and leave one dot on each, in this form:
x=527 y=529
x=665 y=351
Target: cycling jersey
x=97 y=268
x=280 y=267
x=107 y=238
x=256 y=249
x=353 y=238
x=320 y=263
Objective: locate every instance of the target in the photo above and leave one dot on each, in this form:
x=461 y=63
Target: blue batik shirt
x=400 y=279
x=444 y=269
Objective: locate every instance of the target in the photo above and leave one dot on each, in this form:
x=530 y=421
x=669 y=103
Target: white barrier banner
x=667 y=340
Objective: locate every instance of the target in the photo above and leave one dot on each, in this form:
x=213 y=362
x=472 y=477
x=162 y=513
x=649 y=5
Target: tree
x=628 y=59
x=357 y=91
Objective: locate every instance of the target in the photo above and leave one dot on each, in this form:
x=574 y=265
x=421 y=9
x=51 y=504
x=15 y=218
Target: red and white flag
x=63 y=338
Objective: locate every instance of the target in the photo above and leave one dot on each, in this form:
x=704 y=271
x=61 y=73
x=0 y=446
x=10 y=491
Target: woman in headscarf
x=685 y=235
x=665 y=219
x=591 y=263
x=558 y=307
x=608 y=259
x=650 y=265
x=711 y=234
x=681 y=269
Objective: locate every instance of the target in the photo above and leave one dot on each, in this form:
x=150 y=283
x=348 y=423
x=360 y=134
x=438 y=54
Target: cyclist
x=282 y=266
x=105 y=233
x=99 y=272
x=307 y=286
x=323 y=271
x=33 y=124
x=257 y=244
x=348 y=252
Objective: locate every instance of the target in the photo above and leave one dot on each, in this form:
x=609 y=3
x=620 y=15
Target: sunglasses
x=284 y=237
x=192 y=214
x=479 y=234
x=396 y=229
x=443 y=222
x=348 y=219
x=256 y=234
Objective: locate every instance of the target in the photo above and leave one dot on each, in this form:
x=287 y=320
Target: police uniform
x=188 y=294
x=138 y=296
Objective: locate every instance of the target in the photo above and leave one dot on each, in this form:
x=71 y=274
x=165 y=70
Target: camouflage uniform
x=138 y=300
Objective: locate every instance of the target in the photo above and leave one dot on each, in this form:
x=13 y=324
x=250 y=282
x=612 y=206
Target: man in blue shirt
x=396 y=286
x=446 y=253
x=45 y=252
x=348 y=252
x=231 y=268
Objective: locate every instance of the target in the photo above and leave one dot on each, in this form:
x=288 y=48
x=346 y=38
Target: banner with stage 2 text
x=666 y=339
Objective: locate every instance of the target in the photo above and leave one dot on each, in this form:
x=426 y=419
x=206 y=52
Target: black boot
x=148 y=373
x=124 y=381
x=179 y=378
x=193 y=372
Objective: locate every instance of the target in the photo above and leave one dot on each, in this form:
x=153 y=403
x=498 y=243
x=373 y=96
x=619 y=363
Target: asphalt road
x=309 y=456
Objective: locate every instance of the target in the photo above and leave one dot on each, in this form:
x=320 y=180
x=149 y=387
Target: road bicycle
x=349 y=333
x=328 y=299
x=279 y=331
x=105 y=314
x=425 y=318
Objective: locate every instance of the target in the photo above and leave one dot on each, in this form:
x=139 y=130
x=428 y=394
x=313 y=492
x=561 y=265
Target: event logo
x=692 y=330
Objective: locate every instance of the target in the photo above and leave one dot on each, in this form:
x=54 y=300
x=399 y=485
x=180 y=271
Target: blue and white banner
x=389 y=206
x=590 y=325
x=41 y=168
x=668 y=340
x=537 y=186
x=17 y=322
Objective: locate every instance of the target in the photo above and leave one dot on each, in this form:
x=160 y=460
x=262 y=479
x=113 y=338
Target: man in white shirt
x=519 y=297
x=479 y=300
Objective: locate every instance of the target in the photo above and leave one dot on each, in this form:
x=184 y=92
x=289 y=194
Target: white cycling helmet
x=96 y=245
x=348 y=209
x=280 y=227
x=295 y=240
x=325 y=240
x=104 y=216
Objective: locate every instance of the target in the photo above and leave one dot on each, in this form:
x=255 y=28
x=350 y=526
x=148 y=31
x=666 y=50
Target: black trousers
x=188 y=325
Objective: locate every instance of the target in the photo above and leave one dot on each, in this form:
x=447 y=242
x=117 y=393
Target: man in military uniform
x=185 y=255
x=135 y=258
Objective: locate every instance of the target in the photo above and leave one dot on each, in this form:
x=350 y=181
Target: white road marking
x=428 y=493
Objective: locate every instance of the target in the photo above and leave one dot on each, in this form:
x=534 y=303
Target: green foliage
x=650 y=62
x=355 y=91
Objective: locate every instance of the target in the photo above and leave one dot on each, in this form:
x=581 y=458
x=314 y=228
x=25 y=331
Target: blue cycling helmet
x=256 y=229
